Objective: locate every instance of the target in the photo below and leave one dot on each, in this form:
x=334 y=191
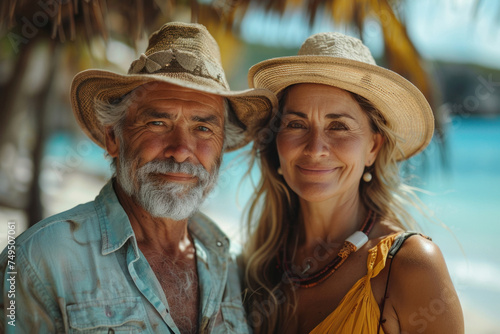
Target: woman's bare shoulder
x=420 y=283
x=420 y=254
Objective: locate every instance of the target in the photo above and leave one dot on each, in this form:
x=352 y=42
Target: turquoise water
x=466 y=198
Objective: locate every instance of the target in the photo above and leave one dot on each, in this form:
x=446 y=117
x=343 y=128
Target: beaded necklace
x=351 y=245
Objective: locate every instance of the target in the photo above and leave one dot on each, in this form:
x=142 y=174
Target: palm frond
x=129 y=20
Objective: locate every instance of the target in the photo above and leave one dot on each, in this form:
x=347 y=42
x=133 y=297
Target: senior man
x=141 y=258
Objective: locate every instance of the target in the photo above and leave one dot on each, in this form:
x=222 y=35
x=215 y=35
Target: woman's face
x=324 y=142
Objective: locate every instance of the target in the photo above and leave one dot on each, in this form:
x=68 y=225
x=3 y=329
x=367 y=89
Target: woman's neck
x=330 y=221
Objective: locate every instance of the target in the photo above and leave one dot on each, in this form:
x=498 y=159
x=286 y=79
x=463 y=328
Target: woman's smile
x=315 y=170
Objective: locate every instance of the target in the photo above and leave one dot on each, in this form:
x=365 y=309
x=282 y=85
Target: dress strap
x=398 y=242
x=396 y=246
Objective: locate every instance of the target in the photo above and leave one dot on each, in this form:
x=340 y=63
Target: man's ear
x=112 y=144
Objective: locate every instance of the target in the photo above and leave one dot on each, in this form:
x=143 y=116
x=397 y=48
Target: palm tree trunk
x=11 y=88
x=35 y=206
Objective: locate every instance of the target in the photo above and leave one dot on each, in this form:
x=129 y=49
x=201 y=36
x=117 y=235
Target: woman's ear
x=377 y=143
x=112 y=144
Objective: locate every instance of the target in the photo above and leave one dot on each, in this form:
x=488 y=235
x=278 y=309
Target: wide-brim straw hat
x=183 y=54
x=343 y=61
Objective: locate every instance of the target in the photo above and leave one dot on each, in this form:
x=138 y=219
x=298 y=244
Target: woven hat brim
x=404 y=107
x=252 y=106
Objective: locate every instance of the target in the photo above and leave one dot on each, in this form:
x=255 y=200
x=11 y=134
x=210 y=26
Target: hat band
x=168 y=61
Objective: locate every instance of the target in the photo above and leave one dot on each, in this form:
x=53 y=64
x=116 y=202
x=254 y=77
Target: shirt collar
x=209 y=234
x=113 y=220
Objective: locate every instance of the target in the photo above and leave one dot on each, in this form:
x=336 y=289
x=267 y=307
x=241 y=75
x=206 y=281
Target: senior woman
x=329 y=214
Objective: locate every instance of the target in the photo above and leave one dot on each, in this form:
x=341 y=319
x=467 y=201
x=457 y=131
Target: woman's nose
x=316 y=143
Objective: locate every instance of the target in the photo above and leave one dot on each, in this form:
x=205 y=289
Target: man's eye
x=203 y=128
x=156 y=123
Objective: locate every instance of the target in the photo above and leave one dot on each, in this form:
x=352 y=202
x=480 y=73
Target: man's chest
x=179 y=282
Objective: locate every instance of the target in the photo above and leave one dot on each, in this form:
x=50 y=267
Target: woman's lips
x=315 y=170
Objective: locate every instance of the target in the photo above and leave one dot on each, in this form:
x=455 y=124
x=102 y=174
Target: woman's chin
x=316 y=194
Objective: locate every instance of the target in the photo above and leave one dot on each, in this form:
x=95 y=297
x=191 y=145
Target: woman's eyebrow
x=329 y=116
x=296 y=113
x=338 y=115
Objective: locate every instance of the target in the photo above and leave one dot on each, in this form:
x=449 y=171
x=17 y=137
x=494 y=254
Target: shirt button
x=108 y=312
x=219 y=244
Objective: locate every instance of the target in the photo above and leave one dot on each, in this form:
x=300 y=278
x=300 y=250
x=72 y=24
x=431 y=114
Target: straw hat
x=183 y=54
x=342 y=61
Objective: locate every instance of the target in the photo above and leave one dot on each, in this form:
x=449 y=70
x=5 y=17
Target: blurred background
x=450 y=49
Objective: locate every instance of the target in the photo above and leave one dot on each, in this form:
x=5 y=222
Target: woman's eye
x=295 y=125
x=338 y=126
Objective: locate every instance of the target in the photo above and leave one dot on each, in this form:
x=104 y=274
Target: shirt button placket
x=109 y=313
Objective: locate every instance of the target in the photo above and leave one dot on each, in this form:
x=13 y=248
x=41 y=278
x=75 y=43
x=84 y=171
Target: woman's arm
x=422 y=292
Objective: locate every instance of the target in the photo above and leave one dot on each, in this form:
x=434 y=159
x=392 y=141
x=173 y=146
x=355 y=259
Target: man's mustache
x=171 y=166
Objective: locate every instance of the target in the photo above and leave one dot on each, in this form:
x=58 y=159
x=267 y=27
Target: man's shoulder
x=71 y=226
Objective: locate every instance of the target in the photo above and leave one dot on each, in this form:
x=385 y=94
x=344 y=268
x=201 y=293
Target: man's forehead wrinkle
x=169 y=91
x=163 y=101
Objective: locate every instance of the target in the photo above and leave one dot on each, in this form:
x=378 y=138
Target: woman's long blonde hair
x=274 y=209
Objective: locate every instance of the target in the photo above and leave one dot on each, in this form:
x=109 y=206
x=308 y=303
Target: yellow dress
x=358 y=312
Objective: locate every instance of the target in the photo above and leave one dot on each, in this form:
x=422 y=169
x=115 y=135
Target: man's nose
x=180 y=144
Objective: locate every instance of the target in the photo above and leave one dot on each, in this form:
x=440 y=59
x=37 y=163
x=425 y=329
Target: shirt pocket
x=233 y=316
x=108 y=316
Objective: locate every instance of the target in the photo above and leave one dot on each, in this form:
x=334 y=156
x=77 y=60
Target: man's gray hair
x=114 y=113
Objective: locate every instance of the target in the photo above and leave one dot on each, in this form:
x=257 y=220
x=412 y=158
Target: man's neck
x=154 y=234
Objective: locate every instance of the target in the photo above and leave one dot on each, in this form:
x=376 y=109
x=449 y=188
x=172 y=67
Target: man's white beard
x=161 y=198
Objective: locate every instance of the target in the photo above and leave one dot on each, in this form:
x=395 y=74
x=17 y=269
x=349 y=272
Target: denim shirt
x=82 y=271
